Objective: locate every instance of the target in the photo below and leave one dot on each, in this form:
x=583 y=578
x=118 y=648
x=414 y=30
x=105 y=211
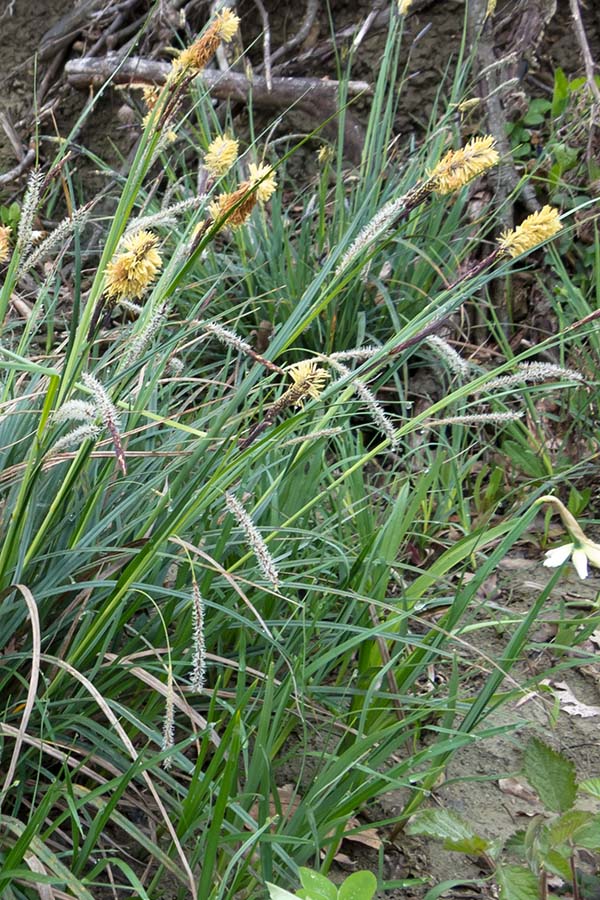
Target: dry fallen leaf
x=368 y=836
x=570 y=704
x=289 y=801
x=514 y=787
x=594 y=637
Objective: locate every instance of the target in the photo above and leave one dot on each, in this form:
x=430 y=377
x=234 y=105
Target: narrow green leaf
x=551 y=775
x=560 y=93
x=517 y=883
x=358 y=886
x=446 y=886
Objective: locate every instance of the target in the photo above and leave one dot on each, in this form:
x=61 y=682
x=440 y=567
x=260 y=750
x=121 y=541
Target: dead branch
x=67 y=29
x=588 y=60
x=26 y=163
x=13 y=137
x=266 y=42
x=313 y=96
x=508 y=181
x=312 y=8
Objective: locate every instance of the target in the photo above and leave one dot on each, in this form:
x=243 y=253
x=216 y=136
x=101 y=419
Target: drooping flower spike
x=235 y=208
x=195 y=57
x=536 y=228
x=458 y=167
x=308 y=381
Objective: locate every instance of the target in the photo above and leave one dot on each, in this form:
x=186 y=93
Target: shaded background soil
x=431 y=45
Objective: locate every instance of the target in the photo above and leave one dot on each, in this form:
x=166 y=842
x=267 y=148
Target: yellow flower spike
x=134 y=269
x=538 y=227
x=309 y=380
x=227 y=23
x=220 y=155
x=581 y=550
x=195 y=57
x=238 y=205
x=458 y=167
x=4 y=242
x=264 y=176
x=235 y=207
x=404 y=6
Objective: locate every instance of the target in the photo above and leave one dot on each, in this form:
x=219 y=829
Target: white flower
x=558 y=555
x=581 y=551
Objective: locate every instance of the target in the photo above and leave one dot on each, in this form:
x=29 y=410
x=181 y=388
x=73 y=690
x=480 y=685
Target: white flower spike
x=581 y=550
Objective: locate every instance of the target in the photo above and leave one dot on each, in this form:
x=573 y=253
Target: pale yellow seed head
x=221 y=155
x=458 y=167
x=150 y=95
x=308 y=378
x=404 y=6
x=228 y=24
x=325 y=154
x=468 y=105
x=538 y=227
x=133 y=270
x=4 y=242
x=268 y=183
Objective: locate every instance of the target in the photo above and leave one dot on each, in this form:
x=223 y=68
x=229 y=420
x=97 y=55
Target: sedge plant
x=276 y=501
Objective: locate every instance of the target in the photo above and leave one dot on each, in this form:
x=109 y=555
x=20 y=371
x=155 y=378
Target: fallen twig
x=314 y=96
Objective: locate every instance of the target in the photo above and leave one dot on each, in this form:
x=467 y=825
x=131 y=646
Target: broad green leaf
x=588 y=835
x=358 y=886
x=516 y=843
x=558 y=864
x=565 y=156
x=473 y=845
x=539 y=105
x=551 y=775
x=567 y=825
x=576 y=84
x=521 y=455
x=277 y=893
x=591 y=786
x=533 y=118
x=517 y=883
x=447 y=826
x=316 y=886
